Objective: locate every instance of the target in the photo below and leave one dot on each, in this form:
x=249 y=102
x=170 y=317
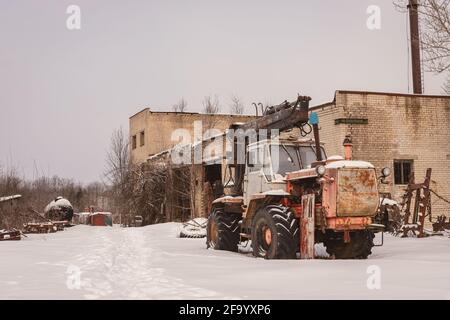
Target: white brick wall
x=399 y=127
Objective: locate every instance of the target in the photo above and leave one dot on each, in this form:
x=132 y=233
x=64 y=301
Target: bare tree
x=236 y=106
x=37 y=193
x=435 y=34
x=181 y=106
x=211 y=105
x=146 y=189
x=118 y=173
x=117 y=158
x=434 y=19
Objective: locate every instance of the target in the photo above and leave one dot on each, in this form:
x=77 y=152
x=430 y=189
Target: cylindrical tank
x=59 y=209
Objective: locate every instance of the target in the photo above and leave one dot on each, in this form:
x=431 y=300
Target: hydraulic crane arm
x=281 y=117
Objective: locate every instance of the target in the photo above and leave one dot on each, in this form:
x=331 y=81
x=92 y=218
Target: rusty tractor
x=287 y=195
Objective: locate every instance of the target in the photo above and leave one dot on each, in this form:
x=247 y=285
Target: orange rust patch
x=268 y=236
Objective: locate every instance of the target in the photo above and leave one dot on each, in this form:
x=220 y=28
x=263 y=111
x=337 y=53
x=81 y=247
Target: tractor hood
x=349 y=188
x=332 y=164
x=348 y=164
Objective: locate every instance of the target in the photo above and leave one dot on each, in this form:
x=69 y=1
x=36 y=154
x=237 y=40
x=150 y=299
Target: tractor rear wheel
x=275 y=233
x=359 y=247
x=222 y=230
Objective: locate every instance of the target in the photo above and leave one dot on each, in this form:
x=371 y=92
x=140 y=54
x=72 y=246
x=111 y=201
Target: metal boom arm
x=281 y=117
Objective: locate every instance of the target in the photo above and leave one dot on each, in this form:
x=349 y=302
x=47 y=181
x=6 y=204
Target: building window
x=402 y=171
x=141 y=138
x=133 y=142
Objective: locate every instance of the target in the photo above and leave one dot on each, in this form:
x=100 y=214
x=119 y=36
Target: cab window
x=285 y=159
x=308 y=156
x=254 y=162
x=267 y=168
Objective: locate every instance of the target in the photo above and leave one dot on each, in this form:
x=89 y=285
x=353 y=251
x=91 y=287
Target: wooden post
x=307 y=227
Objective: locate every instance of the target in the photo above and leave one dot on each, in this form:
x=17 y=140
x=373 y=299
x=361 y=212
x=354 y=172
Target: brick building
x=408 y=133
x=152 y=132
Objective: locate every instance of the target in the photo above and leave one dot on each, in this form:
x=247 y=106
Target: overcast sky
x=63 y=92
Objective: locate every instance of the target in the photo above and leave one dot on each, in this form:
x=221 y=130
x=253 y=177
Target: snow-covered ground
x=86 y=262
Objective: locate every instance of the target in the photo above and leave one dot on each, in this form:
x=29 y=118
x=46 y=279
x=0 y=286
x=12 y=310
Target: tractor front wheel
x=222 y=230
x=275 y=233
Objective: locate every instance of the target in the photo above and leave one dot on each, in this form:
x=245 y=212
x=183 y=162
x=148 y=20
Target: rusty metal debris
x=39 y=223
x=195 y=228
x=389 y=213
x=415 y=214
x=33 y=227
x=60 y=225
x=39 y=227
x=408 y=218
x=441 y=224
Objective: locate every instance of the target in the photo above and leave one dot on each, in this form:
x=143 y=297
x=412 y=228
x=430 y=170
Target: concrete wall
x=399 y=126
x=159 y=127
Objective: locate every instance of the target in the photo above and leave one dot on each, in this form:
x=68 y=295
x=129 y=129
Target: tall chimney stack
x=415 y=46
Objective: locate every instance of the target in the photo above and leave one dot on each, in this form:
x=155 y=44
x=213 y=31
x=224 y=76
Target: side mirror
x=386 y=172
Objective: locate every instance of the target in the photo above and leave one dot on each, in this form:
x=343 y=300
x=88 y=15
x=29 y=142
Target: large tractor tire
x=359 y=247
x=275 y=233
x=222 y=230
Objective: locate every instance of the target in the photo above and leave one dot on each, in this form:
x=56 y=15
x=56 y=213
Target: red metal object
x=285 y=202
x=329 y=195
x=268 y=236
x=97 y=220
x=346 y=236
x=348 y=223
x=348 y=148
x=100 y=219
x=441 y=224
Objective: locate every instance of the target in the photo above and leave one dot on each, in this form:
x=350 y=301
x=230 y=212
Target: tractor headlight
x=320 y=170
x=386 y=172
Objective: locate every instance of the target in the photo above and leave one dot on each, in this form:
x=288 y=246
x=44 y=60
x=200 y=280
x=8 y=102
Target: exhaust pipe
x=348 y=147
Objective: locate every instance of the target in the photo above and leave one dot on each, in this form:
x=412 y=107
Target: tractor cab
x=288 y=195
x=269 y=162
